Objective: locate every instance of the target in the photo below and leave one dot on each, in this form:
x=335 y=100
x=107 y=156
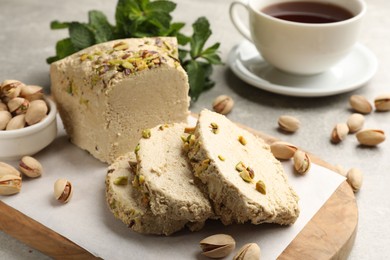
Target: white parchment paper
x=87 y=221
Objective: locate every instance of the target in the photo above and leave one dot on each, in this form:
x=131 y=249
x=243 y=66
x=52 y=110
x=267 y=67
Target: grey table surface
x=26 y=41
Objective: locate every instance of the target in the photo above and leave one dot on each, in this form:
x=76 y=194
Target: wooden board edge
x=38 y=236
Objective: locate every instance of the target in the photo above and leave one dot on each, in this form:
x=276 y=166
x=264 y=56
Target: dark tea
x=308 y=12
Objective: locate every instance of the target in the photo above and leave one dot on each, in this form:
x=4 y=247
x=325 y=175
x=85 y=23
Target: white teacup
x=297 y=47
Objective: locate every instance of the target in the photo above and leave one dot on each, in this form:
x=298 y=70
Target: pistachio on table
x=360 y=104
x=223 y=104
x=30 y=167
x=355 y=179
x=355 y=122
x=10 y=184
x=370 y=137
x=288 y=123
x=283 y=150
x=217 y=246
x=63 y=190
x=382 y=102
x=340 y=131
x=302 y=162
x=6 y=169
x=250 y=251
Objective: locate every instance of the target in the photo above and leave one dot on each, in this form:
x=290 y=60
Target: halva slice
x=165 y=176
x=108 y=93
x=243 y=178
x=124 y=201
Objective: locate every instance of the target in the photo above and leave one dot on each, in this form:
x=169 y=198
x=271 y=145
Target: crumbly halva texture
x=125 y=202
x=165 y=177
x=108 y=93
x=249 y=183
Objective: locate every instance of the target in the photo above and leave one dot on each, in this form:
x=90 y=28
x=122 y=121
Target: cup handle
x=240 y=26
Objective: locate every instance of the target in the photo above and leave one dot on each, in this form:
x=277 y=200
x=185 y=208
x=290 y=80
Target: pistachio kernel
x=120 y=46
x=242 y=140
x=240 y=167
x=137 y=148
x=214 y=128
x=146 y=134
x=260 y=187
x=122 y=180
x=221 y=157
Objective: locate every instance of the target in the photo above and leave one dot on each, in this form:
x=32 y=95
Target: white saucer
x=352 y=72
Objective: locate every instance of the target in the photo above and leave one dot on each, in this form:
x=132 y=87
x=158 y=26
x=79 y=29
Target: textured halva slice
x=230 y=161
x=165 y=175
x=124 y=202
x=106 y=94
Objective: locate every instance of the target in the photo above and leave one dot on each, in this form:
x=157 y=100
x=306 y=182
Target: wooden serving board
x=330 y=234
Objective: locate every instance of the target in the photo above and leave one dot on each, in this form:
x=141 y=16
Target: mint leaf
x=64 y=48
x=56 y=25
x=161 y=6
x=196 y=78
x=100 y=26
x=122 y=11
x=211 y=55
x=81 y=35
x=201 y=34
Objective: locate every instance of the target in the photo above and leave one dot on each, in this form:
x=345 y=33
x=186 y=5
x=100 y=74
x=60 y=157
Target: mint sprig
x=146 y=18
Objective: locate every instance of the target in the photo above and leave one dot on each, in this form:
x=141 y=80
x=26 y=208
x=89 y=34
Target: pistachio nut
x=63 y=190
x=223 y=104
x=370 y=137
x=355 y=179
x=340 y=131
x=16 y=122
x=31 y=92
x=355 y=122
x=10 y=184
x=360 y=104
x=217 y=246
x=260 y=187
x=11 y=88
x=382 y=102
x=3 y=107
x=283 y=150
x=36 y=112
x=288 y=123
x=250 y=251
x=30 y=167
x=18 y=105
x=302 y=162
x=6 y=169
x=5 y=117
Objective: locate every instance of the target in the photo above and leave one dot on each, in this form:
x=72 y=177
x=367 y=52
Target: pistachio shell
x=370 y=137
x=31 y=92
x=302 y=162
x=250 y=251
x=288 y=123
x=63 y=190
x=18 y=105
x=223 y=104
x=3 y=107
x=382 y=102
x=355 y=122
x=11 y=88
x=10 y=184
x=16 y=122
x=283 y=150
x=355 y=179
x=217 y=246
x=5 y=117
x=340 y=131
x=360 y=104
x=36 y=112
x=6 y=169
x=30 y=167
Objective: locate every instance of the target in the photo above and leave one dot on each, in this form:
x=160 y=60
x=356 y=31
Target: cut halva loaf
x=165 y=177
x=243 y=178
x=125 y=201
x=106 y=94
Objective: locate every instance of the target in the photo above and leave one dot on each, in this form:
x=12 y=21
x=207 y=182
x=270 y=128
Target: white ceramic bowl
x=14 y=144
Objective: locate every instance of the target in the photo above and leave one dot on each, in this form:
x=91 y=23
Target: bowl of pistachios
x=27 y=120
